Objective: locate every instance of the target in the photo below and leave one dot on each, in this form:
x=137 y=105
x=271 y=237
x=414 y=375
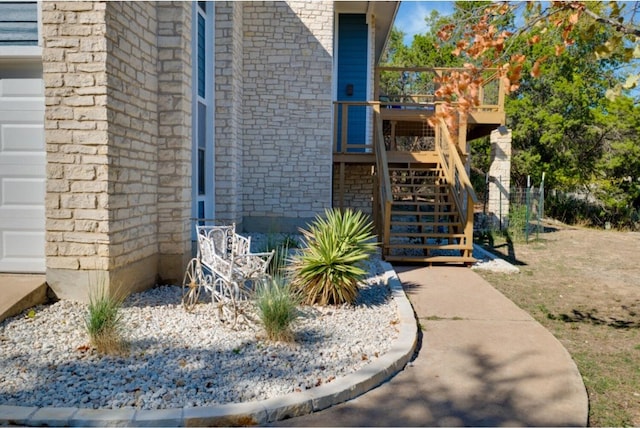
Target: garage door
x=22 y=174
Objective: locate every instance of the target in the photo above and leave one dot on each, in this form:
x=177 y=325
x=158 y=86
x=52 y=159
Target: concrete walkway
x=482 y=361
x=19 y=292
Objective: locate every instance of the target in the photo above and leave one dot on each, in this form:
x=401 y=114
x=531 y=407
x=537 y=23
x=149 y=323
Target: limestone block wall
x=174 y=138
x=287 y=116
x=228 y=83
x=76 y=133
x=132 y=109
x=358 y=188
x=109 y=70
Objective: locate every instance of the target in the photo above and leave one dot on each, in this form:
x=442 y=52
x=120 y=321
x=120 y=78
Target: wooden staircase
x=423 y=201
x=422 y=198
x=425 y=223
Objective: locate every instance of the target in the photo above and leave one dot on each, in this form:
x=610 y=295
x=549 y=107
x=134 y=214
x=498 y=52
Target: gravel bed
x=181 y=359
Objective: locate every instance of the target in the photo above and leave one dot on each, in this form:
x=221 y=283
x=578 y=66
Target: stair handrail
x=384 y=179
x=457 y=177
x=452 y=161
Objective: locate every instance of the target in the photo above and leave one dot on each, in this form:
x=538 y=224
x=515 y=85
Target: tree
x=569 y=68
x=486 y=36
x=617 y=178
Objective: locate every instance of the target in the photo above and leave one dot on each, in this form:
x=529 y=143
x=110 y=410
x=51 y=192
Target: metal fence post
x=527 y=209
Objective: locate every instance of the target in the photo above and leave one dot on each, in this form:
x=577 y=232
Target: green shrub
x=328 y=267
x=103 y=322
x=277 y=308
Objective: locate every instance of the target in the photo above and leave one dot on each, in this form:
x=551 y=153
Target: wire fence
x=518 y=212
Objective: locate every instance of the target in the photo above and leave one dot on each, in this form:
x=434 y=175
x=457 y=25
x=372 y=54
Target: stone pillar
x=228 y=110
x=101 y=68
x=76 y=137
x=500 y=177
x=174 y=138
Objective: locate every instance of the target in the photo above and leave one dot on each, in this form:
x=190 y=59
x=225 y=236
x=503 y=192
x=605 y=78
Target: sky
x=411 y=14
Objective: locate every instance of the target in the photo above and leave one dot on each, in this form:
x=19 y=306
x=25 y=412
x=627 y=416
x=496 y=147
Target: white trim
x=211 y=106
x=334 y=86
x=209 y=197
x=371 y=41
x=194 y=113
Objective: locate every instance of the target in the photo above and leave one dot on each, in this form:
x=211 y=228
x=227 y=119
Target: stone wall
x=287 y=99
x=132 y=109
x=112 y=74
x=358 y=188
x=228 y=111
x=76 y=134
x=174 y=138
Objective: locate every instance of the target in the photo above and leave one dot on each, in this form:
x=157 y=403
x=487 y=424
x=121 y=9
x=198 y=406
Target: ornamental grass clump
x=104 y=323
x=281 y=248
x=277 y=308
x=329 y=266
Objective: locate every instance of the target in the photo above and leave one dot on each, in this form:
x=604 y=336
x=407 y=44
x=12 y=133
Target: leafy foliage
x=327 y=269
x=277 y=308
x=562 y=63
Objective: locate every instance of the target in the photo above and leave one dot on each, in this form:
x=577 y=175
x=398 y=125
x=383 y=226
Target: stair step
x=452 y=219
x=423 y=203
x=425 y=185
x=420 y=197
x=431 y=259
x=410 y=190
x=428 y=235
x=426 y=223
x=415 y=166
x=406 y=246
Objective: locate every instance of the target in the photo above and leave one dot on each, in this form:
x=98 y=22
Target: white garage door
x=22 y=174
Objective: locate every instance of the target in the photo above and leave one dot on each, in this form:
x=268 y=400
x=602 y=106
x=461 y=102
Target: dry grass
x=109 y=343
x=584 y=286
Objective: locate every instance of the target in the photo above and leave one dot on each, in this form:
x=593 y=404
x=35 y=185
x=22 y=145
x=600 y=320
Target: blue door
x=352 y=74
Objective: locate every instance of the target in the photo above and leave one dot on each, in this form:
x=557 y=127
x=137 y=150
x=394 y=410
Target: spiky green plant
x=277 y=308
x=104 y=324
x=328 y=267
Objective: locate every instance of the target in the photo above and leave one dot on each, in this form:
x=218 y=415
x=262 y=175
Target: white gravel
x=180 y=359
x=490 y=262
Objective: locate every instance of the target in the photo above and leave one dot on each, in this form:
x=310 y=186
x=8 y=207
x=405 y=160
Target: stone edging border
x=251 y=413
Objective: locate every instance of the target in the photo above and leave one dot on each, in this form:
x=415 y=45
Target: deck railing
x=456 y=174
x=350 y=130
x=411 y=87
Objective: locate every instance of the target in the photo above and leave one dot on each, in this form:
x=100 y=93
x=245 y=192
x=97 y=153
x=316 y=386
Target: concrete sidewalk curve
x=482 y=362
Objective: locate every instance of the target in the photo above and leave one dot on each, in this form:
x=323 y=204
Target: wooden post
x=345 y=128
x=341 y=186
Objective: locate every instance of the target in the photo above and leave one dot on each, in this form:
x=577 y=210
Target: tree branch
x=619 y=27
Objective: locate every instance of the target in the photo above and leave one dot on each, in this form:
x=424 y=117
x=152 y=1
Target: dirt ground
x=584 y=286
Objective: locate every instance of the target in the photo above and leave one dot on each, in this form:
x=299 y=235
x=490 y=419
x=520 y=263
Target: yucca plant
x=103 y=322
x=328 y=267
x=277 y=308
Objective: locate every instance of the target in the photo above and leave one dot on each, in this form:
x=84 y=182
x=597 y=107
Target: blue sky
x=410 y=16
